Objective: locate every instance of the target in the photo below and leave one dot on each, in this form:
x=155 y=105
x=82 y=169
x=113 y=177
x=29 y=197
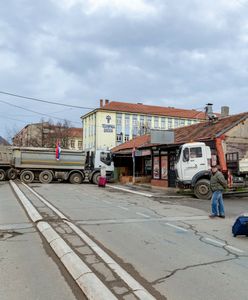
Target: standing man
x=217 y=185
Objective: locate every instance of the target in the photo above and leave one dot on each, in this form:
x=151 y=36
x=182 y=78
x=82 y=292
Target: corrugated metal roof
x=198 y=132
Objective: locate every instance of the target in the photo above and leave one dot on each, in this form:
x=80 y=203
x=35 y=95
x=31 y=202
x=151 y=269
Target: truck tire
x=76 y=178
x=202 y=189
x=45 y=176
x=11 y=174
x=96 y=178
x=27 y=176
x=2 y=175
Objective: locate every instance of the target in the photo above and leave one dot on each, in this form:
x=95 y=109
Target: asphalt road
x=169 y=245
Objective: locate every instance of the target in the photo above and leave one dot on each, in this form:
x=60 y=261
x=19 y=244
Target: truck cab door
x=193 y=162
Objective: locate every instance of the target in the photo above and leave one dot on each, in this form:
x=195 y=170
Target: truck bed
x=45 y=158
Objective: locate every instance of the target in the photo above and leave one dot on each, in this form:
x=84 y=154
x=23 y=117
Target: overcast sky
x=181 y=53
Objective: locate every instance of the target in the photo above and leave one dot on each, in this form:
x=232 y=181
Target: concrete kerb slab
x=74 y=265
x=89 y=283
x=31 y=210
x=136 y=287
x=94 y=288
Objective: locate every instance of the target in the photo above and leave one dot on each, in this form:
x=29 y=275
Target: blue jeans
x=217 y=204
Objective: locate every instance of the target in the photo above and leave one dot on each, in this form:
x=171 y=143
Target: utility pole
x=133 y=156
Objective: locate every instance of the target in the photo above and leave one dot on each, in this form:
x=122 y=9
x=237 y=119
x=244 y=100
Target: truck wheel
x=96 y=178
x=2 y=175
x=11 y=174
x=27 y=176
x=46 y=176
x=202 y=189
x=76 y=178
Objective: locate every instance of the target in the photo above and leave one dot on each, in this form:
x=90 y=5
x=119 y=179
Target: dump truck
x=32 y=164
x=6 y=171
x=193 y=167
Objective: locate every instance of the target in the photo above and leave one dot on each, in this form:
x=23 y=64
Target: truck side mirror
x=186 y=154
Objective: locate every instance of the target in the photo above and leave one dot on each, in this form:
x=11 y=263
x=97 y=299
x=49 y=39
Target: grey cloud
x=186 y=54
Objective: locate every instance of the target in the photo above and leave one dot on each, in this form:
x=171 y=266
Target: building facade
x=114 y=123
x=46 y=135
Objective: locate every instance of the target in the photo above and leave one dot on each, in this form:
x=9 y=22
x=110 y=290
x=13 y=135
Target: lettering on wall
x=108 y=127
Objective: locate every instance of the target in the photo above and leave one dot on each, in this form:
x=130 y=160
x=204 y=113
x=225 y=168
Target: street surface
x=167 y=244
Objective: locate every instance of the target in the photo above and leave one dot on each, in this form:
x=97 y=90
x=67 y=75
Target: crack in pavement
x=202 y=238
x=8 y=234
x=162 y=279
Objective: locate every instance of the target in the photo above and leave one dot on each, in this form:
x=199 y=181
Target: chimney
x=224 y=111
x=106 y=101
x=101 y=103
x=209 y=112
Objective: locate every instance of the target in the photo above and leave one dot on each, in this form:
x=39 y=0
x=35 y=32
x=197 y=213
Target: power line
x=39 y=113
x=44 y=101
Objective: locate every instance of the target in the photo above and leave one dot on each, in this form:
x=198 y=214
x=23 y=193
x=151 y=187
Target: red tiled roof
x=207 y=130
x=198 y=132
x=75 y=132
x=154 y=110
x=137 y=142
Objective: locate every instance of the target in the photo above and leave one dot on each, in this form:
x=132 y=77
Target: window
x=170 y=123
x=72 y=144
x=176 y=123
x=182 y=122
x=127 y=124
x=135 y=125
x=149 y=123
x=80 y=144
x=156 y=122
x=126 y=137
x=162 y=123
x=195 y=152
x=118 y=123
x=106 y=158
x=189 y=122
x=119 y=137
x=142 y=125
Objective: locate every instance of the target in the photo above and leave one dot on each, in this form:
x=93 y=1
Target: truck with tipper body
x=5 y=162
x=194 y=163
x=32 y=164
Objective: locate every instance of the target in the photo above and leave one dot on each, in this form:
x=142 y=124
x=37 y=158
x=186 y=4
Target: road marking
x=122 y=207
x=235 y=249
x=143 y=215
x=223 y=244
x=177 y=227
x=129 y=191
x=115 y=221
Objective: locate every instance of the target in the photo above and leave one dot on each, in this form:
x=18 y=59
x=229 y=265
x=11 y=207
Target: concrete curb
x=32 y=212
x=88 y=282
x=45 y=202
x=136 y=287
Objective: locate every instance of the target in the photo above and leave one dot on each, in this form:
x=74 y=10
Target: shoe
x=212 y=216
x=221 y=216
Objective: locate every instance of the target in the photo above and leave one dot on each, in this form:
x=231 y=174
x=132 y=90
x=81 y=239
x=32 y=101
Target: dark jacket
x=218 y=182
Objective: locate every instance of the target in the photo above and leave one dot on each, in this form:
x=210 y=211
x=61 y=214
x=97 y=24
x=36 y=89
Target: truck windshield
x=106 y=158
